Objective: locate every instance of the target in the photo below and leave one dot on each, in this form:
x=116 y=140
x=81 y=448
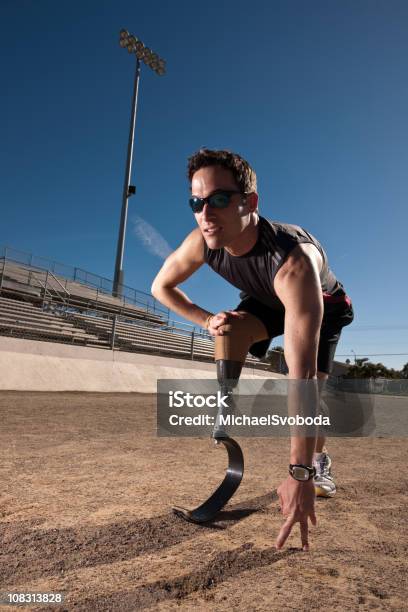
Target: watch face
x=300 y=473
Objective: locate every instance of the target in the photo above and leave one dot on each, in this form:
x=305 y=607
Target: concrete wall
x=29 y=365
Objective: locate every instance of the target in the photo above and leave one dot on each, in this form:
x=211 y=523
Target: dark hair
x=243 y=174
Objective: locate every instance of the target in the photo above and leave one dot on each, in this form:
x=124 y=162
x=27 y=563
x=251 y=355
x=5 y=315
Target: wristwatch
x=301 y=472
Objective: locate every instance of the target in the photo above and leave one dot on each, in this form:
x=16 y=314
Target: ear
x=252 y=201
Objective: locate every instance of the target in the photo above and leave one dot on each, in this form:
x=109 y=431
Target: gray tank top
x=254 y=272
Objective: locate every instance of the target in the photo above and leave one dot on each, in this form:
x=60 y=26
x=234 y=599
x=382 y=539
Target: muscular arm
x=297 y=284
x=177 y=268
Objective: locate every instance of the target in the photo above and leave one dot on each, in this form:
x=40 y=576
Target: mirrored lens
x=216 y=200
x=219 y=200
x=197 y=204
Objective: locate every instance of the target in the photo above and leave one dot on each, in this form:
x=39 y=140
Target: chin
x=214 y=242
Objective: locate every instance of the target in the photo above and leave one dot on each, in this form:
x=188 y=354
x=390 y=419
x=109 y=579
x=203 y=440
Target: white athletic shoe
x=323 y=481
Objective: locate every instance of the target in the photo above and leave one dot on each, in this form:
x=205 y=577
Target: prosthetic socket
x=231 y=350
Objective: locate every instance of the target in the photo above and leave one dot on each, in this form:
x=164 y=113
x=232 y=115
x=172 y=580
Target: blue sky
x=314 y=95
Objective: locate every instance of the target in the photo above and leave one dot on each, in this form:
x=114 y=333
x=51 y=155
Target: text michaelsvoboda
x=251 y=421
x=272 y=419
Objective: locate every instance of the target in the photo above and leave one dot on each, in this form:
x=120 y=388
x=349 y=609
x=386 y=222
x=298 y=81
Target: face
x=220 y=227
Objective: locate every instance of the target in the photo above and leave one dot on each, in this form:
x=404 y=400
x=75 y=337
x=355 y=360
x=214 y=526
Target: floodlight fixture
x=154 y=61
x=131 y=41
x=143 y=53
x=161 y=69
x=148 y=55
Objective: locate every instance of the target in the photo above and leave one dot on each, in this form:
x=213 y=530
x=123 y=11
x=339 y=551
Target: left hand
x=297 y=506
x=221 y=318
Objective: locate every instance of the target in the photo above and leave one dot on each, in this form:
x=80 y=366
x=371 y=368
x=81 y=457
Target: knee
x=238 y=335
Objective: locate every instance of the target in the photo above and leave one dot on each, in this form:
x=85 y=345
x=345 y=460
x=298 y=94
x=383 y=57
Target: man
x=286 y=284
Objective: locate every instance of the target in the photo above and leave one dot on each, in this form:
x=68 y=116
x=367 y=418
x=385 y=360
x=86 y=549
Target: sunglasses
x=219 y=199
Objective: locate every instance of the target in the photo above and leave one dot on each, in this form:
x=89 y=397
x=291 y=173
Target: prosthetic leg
x=230 y=352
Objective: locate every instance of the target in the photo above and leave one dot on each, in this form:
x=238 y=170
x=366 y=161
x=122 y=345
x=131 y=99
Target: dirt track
x=85 y=498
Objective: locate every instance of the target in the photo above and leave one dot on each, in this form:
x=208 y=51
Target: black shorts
x=336 y=316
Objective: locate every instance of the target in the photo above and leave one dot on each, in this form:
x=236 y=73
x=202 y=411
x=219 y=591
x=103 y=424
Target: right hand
x=297 y=506
x=218 y=320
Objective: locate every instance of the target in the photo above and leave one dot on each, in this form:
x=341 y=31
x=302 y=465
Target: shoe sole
x=323 y=493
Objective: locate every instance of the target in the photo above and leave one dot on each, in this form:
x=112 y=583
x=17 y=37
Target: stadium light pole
x=156 y=63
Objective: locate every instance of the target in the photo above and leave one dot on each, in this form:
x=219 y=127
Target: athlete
x=286 y=284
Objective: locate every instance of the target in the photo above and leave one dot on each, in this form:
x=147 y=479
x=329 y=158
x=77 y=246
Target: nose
x=207 y=211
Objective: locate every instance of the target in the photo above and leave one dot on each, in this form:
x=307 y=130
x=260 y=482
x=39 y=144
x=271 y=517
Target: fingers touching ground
x=297 y=506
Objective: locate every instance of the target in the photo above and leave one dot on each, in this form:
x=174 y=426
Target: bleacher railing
x=101 y=285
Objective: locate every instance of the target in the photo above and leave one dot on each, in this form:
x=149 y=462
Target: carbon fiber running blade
x=210 y=508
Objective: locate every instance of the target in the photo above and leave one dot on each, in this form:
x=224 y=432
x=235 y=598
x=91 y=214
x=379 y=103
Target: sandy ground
x=85 y=509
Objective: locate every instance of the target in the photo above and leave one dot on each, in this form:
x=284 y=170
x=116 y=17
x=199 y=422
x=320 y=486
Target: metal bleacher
x=23 y=320
x=142 y=336
x=56 y=303
x=39 y=285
